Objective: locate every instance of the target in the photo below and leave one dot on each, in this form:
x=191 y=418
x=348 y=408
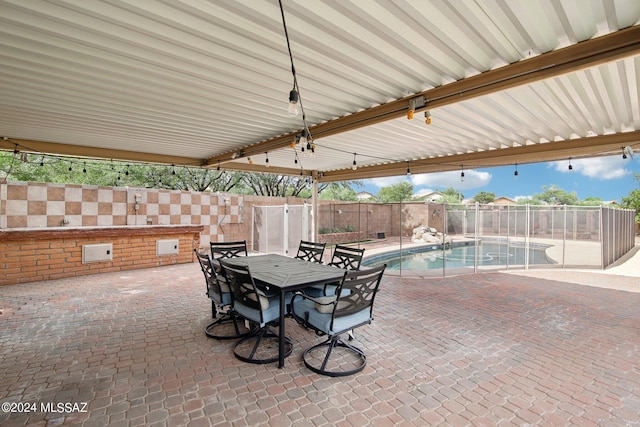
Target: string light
x=412 y=110
x=462 y=173
x=570 y=167
x=292 y=109
x=355 y=165
x=294 y=94
x=427 y=117
x=266 y=160
x=408 y=169
x=516 y=172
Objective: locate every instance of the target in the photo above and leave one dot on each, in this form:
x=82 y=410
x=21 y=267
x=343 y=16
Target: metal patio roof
x=206 y=83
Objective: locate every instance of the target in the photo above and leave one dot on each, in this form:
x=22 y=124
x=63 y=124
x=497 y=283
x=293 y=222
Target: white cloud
x=602 y=168
x=386 y=181
x=444 y=180
x=441 y=180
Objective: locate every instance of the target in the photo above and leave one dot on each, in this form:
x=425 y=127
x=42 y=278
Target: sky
x=609 y=178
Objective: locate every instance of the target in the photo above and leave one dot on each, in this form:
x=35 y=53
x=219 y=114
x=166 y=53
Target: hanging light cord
x=293 y=72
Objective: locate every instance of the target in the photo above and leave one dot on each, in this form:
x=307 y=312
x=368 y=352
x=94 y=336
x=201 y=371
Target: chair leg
x=354 y=360
x=218 y=329
x=259 y=337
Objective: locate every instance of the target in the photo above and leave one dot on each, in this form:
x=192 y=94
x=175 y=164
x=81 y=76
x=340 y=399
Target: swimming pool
x=490 y=253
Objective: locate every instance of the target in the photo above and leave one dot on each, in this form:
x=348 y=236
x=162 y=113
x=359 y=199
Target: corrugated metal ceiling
x=190 y=82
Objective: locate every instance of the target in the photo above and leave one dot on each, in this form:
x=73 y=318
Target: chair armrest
x=319 y=302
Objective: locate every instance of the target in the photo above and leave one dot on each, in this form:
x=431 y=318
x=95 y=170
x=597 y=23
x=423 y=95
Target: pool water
x=489 y=253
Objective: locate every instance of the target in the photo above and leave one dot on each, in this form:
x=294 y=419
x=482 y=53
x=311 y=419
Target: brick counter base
x=29 y=255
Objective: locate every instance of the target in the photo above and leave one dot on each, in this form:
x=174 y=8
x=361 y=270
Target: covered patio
x=486 y=349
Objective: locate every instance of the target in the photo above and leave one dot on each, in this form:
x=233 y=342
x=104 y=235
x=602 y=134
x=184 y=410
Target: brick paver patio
x=483 y=350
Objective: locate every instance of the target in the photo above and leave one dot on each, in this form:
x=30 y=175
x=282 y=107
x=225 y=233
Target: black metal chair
x=336 y=315
x=261 y=306
x=221 y=303
x=347 y=257
x=344 y=257
x=310 y=251
x=221 y=250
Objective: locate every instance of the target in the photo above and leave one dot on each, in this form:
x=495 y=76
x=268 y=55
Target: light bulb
x=292 y=109
x=461 y=176
x=355 y=165
x=427 y=117
x=412 y=109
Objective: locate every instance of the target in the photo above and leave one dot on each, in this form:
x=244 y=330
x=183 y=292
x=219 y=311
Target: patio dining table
x=286 y=274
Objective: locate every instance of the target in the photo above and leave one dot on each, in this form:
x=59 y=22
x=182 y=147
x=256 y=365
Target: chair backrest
x=213 y=285
x=244 y=290
x=347 y=257
x=356 y=293
x=228 y=249
x=310 y=251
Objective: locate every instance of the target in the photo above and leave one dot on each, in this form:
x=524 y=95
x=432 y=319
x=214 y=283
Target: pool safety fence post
x=476 y=236
x=564 y=236
x=253 y=227
x=508 y=233
x=527 y=235
x=401 y=255
x=601 y=237
x=445 y=220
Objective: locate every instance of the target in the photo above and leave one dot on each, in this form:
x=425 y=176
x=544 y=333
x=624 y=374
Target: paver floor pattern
x=483 y=350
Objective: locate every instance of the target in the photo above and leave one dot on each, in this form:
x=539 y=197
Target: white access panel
x=97 y=253
x=167 y=247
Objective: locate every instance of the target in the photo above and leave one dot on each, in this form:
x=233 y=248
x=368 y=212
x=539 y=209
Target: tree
x=632 y=200
x=451 y=195
x=400 y=192
x=484 y=197
x=263 y=184
x=338 y=191
x=552 y=195
x=40 y=168
x=591 y=201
